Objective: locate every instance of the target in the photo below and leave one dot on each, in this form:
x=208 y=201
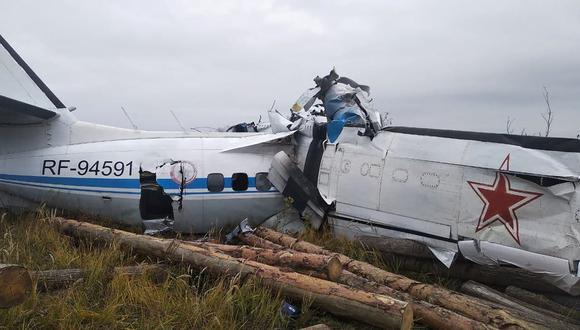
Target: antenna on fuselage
x=178 y=121
x=129 y=119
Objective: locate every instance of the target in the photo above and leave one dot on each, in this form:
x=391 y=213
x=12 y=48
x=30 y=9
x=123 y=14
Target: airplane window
x=262 y=182
x=239 y=181
x=215 y=182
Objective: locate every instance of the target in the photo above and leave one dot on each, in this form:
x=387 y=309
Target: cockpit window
x=215 y=182
x=239 y=181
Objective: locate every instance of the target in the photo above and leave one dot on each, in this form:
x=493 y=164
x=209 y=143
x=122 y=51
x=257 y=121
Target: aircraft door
x=172 y=190
x=328 y=175
x=359 y=172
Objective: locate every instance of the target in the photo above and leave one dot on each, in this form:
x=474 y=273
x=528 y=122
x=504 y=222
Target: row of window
x=215 y=182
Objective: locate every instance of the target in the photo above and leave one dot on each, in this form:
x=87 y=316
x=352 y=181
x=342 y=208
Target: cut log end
x=334 y=269
x=15 y=285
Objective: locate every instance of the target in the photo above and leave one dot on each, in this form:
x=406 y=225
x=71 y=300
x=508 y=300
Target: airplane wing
x=253 y=140
x=531 y=155
x=24 y=98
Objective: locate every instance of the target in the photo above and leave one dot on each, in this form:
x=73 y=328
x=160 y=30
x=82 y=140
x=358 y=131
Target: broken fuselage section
x=492 y=198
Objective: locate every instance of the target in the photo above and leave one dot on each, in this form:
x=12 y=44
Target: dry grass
x=191 y=298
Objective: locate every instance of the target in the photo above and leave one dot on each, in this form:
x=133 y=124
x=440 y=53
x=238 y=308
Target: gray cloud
x=447 y=64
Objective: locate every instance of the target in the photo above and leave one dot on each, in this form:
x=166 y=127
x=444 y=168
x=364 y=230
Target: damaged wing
x=253 y=140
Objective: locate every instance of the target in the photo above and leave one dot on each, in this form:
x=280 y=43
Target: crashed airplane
x=495 y=199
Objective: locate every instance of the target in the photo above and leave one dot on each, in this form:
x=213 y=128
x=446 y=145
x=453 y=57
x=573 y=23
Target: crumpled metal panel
x=552 y=269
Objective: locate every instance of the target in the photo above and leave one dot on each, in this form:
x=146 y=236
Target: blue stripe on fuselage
x=123 y=183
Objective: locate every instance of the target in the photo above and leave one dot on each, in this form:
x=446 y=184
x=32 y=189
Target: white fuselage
x=450 y=194
x=101 y=176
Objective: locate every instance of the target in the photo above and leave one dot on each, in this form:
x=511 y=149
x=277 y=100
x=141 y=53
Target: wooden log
x=48 y=280
x=374 y=309
x=317 y=327
x=433 y=316
x=541 y=301
x=253 y=240
x=329 y=264
x=15 y=285
x=545 y=318
x=414 y=256
x=157 y=273
x=468 y=306
x=566 y=300
x=492 y=275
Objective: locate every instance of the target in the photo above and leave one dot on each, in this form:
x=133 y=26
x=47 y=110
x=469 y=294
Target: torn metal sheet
x=346 y=104
x=288 y=221
x=289 y=179
x=242 y=228
x=446 y=257
x=157 y=226
x=255 y=140
x=553 y=269
x=279 y=123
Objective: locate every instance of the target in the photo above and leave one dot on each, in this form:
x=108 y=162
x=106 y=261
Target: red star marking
x=500 y=201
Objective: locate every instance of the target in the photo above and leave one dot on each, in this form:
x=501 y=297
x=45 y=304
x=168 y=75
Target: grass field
x=190 y=298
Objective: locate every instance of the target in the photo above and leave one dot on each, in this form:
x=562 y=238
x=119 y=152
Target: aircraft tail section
x=28 y=108
x=24 y=97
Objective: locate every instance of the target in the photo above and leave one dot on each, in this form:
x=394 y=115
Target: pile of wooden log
x=340 y=285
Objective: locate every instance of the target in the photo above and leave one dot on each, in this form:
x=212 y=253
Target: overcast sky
x=442 y=64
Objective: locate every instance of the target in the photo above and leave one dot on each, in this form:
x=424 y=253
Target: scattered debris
x=158 y=226
x=243 y=227
x=290 y=310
